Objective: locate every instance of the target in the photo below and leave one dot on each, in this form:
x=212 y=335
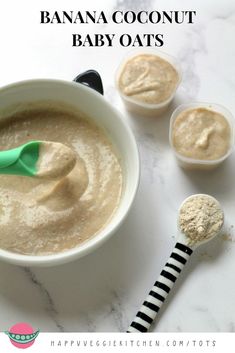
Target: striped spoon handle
x=161 y=289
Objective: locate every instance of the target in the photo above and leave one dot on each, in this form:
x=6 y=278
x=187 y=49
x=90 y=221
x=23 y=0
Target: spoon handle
x=161 y=289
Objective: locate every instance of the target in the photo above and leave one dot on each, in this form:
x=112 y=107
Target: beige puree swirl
x=55 y=160
x=201 y=134
x=38 y=216
x=148 y=79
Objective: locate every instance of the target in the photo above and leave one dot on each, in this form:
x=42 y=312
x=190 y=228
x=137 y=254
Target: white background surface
x=103 y=291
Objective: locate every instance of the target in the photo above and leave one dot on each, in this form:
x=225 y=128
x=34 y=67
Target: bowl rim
x=107 y=231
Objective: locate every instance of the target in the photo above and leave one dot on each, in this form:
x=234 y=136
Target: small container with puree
x=147 y=81
x=201 y=135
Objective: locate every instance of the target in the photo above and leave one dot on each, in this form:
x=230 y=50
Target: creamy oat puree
x=148 y=79
x=55 y=160
x=38 y=216
x=201 y=134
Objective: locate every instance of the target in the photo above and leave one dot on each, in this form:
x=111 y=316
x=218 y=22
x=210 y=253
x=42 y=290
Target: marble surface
x=103 y=291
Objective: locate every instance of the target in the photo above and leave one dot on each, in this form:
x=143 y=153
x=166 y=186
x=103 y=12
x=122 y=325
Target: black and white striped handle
x=161 y=289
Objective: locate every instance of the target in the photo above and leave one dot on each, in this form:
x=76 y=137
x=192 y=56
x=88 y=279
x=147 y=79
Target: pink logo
x=22 y=335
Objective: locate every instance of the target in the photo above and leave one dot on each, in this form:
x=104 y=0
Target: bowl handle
x=92 y=79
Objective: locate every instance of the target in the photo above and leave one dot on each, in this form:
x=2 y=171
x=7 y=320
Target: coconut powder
x=200 y=218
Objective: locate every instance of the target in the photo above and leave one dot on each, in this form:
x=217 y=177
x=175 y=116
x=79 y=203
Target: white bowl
x=103 y=114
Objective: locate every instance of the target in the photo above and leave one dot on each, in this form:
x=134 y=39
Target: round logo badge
x=22 y=335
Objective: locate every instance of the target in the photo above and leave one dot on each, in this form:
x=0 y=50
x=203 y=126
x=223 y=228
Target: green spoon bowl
x=21 y=160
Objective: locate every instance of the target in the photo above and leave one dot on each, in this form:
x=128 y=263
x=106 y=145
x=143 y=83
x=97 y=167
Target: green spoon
x=20 y=160
x=44 y=159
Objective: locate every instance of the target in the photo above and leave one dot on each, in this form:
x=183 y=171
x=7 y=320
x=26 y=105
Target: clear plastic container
x=139 y=107
x=190 y=163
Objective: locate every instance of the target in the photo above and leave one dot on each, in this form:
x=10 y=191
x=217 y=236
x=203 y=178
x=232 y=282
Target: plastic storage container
x=136 y=106
x=190 y=163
